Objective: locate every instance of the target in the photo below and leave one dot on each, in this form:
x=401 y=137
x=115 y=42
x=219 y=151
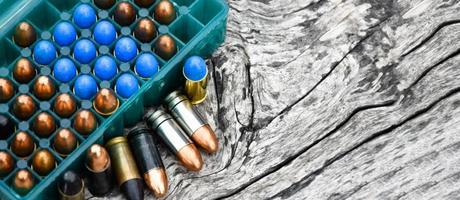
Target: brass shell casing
x=196 y=90
x=122 y=159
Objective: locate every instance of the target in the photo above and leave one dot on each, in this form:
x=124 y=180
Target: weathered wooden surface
x=332 y=99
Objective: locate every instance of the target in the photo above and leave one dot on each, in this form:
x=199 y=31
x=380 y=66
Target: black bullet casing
x=100 y=183
x=144 y=149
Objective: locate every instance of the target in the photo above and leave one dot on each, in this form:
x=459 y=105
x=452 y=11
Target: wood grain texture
x=332 y=99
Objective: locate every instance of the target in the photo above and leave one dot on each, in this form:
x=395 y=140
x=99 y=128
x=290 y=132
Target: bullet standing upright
x=23 y=182
x=192 y=123
x=22 y=144
x=99 y=170
x=6 y=90
x=125 y=168
x=148 y=160
x=71 y=186
x=24 y=34
x=175 y=139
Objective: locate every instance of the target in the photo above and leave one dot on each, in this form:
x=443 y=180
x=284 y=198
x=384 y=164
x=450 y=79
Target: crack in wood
x=310 y=177
x=431 y=35
x=305 y=149
x=334 y=66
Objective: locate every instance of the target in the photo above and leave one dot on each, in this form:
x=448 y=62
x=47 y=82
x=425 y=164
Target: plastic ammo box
x=198 y=30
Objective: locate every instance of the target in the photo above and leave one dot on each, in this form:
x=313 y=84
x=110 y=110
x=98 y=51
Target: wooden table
x=331 y=99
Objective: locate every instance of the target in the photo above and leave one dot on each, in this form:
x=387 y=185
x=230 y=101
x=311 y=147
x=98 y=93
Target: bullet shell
x=23 y=182
x=175 y=139
x=24 y=34
x=43 y=162
x=144 y=3
x=44 y=124
x=125 y=168
x=22 y=144
x=99 y=170
x=65 y=105
x=44 y=88
x=165 y=47
x=145 y=30
x=164 y=12
x=6 y=90
x=65 y=142
x=195 y=73
x=71 y=186
x=6 y=163
x=24 y=107
x=124 y=14
x=105 y=102
x=24 y=71
x=191 y=122
x=149 y=161
x=104 y=4
x=85 y=122
x=7 y=127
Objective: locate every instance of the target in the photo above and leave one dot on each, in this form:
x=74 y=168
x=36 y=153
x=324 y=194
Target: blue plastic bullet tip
x=84 y=51
x=195 y=68
x=125 y=49
x=85 y=87
x=84 y=16
x=105 y=68
x=104 y=32
x=146 y=65
x=64 y=34
x=126 y=85
x=44 y=52
x=64 y=70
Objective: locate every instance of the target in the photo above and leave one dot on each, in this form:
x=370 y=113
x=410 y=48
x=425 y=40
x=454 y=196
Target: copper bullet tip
x=105 y=102
x=44 y=88
x=190 y=157
x=85 y=122
x=97 y=158
x=145 y=30
x=205 y=138
x=6 y=89
x=104 y=4
x=144 y=3
x=65 y=142
x=124 y=14
x=23 y=182
x=24 y=107
x=164 y=12
x=165 y=47
x=6 y=163
x=65 y=105
x=22 y=145
x=24 y=71
x=43 y=162
x=44 y=124
x=24 y=34
x=157 y=181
